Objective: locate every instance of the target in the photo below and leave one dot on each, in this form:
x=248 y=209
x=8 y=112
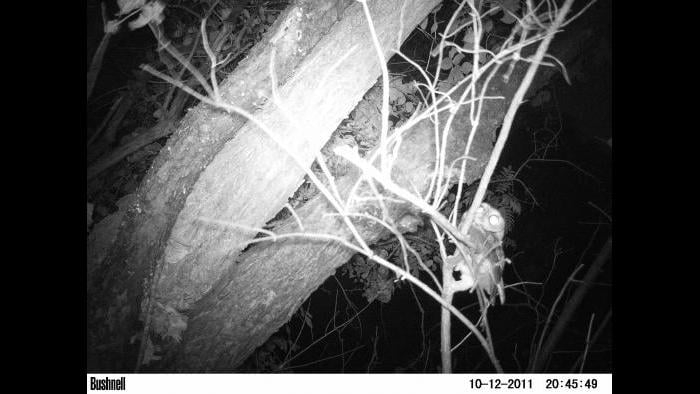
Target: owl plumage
x=486 y=234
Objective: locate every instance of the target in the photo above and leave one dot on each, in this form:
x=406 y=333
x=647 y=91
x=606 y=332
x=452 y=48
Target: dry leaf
x=152 y=11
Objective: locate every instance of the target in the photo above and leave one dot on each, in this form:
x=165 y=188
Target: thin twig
x=597 y=334
x=571 y=306
x=588 y=343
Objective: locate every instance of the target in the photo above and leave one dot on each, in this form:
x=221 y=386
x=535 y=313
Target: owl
x=488 y=259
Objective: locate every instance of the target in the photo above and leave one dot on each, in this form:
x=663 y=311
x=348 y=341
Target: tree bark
x=250 y=179
x=215 y=163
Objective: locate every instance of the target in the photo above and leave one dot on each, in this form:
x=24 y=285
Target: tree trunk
x=217 y=166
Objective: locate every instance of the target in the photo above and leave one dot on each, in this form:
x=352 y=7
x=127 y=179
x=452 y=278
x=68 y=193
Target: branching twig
x=510 y=114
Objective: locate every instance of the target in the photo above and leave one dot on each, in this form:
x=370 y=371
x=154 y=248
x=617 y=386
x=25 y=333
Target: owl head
x=490 y=220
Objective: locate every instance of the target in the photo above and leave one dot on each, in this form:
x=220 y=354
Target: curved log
x=197 y=174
